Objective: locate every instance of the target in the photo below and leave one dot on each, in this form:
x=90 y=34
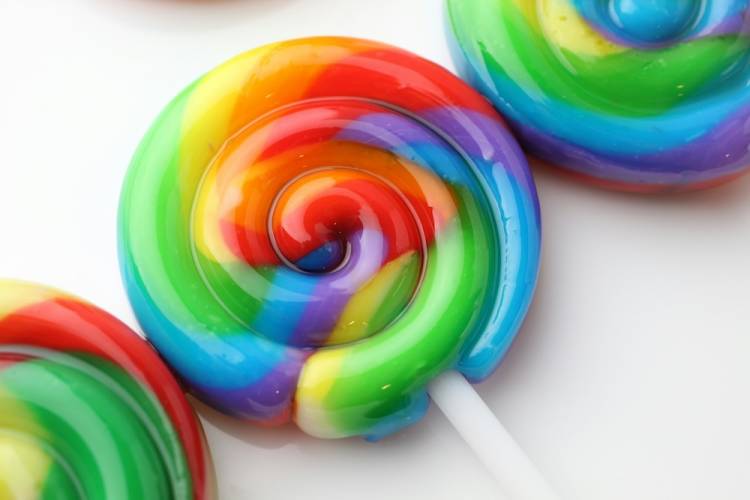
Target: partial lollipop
x=318 y=229
x=639 y=95
x=87 y=408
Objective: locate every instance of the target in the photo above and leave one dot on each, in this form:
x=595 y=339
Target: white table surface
x=629 y=380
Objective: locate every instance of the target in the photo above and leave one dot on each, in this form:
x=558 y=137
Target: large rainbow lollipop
x=318 y=228
x=87 y=408
x=643 y=95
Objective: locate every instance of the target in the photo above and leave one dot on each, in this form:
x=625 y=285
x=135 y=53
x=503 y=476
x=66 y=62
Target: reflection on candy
x=643 y=95
x=87 y=408
x=317 y=228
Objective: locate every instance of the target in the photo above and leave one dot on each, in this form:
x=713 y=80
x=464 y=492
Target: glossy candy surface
x=87 y=408
x=642 y=95
x=317 y=228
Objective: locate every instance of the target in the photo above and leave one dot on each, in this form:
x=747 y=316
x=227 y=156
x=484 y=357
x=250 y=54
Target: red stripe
x=399 y=78
x=347 y=207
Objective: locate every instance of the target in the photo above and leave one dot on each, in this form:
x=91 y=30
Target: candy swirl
x=87 y=408
x=317 y=228
x=641 y=95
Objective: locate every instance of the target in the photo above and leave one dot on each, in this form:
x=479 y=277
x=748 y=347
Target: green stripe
x=110 y=432
x=630 y=83
x=427 y=338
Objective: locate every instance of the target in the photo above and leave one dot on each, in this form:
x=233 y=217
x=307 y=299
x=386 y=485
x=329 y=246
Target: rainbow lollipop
x=640 y=95
x=87 y=408
x=317 y=229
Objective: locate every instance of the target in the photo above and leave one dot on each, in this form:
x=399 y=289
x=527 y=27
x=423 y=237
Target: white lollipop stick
x=479 y=427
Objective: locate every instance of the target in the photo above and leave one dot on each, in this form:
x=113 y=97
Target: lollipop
x=640 y=95
x=318 y=228
x=87 y=409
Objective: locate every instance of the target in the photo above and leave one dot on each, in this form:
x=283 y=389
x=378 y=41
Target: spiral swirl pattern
x=317 y=228
x=87 y=408
x=641 y=95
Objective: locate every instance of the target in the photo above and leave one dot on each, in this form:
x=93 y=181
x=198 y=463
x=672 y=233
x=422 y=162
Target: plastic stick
x=471 y=417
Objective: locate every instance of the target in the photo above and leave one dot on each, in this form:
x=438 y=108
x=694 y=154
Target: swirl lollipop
x=640 y=95
x=318 y=228
x=87 y=409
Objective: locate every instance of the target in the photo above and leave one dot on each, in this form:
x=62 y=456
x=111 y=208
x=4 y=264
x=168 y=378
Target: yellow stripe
x=354 y=321
x=16 y=295
x=206 y=126
x=315 y=382
x=23 y=463
x=23 y=467
x=563 y=27
x=208 y=114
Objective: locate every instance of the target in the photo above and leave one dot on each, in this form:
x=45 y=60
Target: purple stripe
x=368 y=252
x=476 y=134
x=721 y=152
x=265 y=400
x=389 y=130
x=481 y=137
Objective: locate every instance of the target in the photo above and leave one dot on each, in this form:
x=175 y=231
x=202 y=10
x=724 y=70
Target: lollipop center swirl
x=339 y=239
x=344 y=223
x=653 y=21
x=314 y=221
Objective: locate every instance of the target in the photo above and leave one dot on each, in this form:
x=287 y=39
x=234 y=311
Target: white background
x=630 y=379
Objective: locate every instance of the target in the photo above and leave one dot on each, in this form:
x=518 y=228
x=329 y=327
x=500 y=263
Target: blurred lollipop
x=87 y=408
x=639 y=95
